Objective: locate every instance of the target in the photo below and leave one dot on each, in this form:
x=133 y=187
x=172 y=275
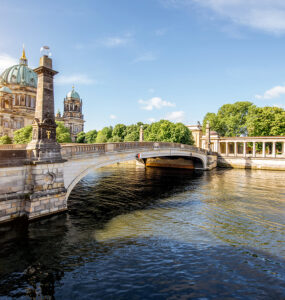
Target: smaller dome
x=73 y=94
x=5 y=89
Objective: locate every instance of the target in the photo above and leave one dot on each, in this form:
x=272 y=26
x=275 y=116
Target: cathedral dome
x=73 y=94
x=20 y=74
x=5 y=89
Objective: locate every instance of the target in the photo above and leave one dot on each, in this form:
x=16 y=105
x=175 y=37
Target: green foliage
x=104 y=135
x=266 y=121
x=4 y=140
x=230 y=119
x=23 y=135
x=166 y=131
x=115 y=139
x=132 y=133
x=90 y=136
x=81 y=137
x=62 y=133
x=119 y=133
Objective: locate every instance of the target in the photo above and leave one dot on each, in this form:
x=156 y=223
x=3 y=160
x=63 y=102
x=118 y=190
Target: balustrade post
x=236 y=149
x=263 y=149
x=283 y=148
x=273 y=149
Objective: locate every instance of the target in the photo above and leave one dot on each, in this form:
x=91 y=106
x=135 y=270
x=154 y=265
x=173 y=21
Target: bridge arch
x=97 y=162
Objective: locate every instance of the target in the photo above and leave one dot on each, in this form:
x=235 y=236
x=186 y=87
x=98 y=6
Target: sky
x=146 y=60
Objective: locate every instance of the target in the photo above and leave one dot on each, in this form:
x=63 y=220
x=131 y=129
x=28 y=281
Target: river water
x=132 y=233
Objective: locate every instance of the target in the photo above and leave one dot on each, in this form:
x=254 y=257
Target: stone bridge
x=35 y=189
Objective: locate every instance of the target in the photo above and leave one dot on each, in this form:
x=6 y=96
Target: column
x=236 y=149
x=244 y=149
x=254 y=150
x=273 y=149
x=227 y=148
x=141 y=134
x=263 y=149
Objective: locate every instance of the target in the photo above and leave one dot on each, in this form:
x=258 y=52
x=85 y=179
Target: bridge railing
x=18 y=151
x=70 y=150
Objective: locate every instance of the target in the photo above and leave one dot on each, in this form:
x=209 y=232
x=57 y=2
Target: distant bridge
x=42 y=188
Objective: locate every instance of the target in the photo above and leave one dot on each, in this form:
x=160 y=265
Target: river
x=132 y=233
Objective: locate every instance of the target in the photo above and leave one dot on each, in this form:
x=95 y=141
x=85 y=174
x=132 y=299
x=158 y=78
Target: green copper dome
x=5 y=89
x=20 y=74
x=73 y=94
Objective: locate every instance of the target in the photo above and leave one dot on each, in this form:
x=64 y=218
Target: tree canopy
x=5 y=139
x=244 y=118
x=166 y=131
x=24 y=135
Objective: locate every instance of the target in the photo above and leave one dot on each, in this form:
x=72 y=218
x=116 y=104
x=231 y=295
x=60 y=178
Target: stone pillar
x=43 y=146
x=236 y=149
x=47 y=193
x=273 y=149
x=208 y=136
x=263 y=149
x=254 y=150
x=141 y=134
x=227 y=148
x=244 y=149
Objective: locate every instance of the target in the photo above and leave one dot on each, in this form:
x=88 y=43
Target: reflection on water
x=154 y=234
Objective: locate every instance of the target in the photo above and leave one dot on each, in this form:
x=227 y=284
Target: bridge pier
x=48 y=194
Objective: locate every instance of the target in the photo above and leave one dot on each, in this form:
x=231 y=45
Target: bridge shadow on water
x=59 y=258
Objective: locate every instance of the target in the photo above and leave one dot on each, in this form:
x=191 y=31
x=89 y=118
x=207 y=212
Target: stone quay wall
x=257 y=163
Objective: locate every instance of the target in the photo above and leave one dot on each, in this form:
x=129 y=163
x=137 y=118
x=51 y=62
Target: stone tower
x=43 y=145
x=72 y=116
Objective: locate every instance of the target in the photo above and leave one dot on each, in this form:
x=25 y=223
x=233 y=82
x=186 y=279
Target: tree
x=81 y=137
x=62 y=133
x=266 y=121
x=230 y=119
x=132 y=133
x=23 y=135
x=104 y=135
x=119 y=133
x=90 y=136
x=4 y=140
x=166 y=131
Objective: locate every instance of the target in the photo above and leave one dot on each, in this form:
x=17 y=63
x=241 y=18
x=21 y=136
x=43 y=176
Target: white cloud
x=155 y=102
x=74 y=79
x=266 y=15
x=148 y=56
x=175 y=116
x=113 y=42
x=113 y=117
x=275 y=92
x=160 y=32
x=151 y=120
x=7 y=61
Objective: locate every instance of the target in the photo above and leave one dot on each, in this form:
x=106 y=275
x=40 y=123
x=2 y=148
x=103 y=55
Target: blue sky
x=144 y=60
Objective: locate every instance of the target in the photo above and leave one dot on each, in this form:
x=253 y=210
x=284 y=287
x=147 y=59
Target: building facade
x=18 y=91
